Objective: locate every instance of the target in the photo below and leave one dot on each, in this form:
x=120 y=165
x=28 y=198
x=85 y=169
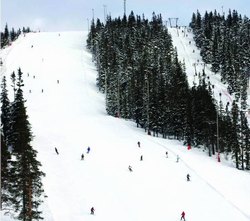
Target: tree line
x=224 y=41
x=21 y=184
x=8 y=36
x=143 y=80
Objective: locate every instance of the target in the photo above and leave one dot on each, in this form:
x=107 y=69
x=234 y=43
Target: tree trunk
x=24 y=202
x=213 y=149
x=247 y=161
x=242 y=161
x=30 y=199
x=236 y=159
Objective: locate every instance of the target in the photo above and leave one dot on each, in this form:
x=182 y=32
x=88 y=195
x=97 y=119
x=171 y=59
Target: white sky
x=58 y=15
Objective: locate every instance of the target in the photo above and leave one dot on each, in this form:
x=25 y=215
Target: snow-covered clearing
x=70 y=115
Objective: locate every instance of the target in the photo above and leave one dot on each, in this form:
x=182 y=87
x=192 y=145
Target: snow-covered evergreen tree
x=5 y=154
x=26 y=185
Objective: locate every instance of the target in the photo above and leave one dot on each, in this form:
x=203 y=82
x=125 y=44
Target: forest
x=143 y=80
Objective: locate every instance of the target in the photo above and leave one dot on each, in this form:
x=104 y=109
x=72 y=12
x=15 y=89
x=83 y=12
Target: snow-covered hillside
x=188 y=52
x=70 y=114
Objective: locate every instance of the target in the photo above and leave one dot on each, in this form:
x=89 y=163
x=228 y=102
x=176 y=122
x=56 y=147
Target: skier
x=92 y=211
x=141 y=158
x=218 y=157
x=183 y=215
x=177 y=159
x=167 y=154
x=139 y=144
x=57 y=81
x=188 y=177
x=88 y=149
x=82 y=157
x=137 y=123
x=56 y=151
x=130 y=168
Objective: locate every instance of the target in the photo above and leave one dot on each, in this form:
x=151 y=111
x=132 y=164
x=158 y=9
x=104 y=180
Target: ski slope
x=187 y=52
x=71 y=116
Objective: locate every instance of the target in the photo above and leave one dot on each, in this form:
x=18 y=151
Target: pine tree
x=236 y=128
x=247 y=146
x=5 y=175
x=5 y=110
x=244 y=140
x=5 y=157
x=9 y=36
x=13 y=80
x=178 y=87
x=6 y=35
x=215 y=59
x=13 y=34
x=26 y=185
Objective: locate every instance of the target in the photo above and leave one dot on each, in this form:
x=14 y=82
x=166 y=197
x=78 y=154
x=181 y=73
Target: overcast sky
x=64 y=15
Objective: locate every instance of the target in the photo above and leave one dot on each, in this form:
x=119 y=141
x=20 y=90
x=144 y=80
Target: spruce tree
x=244 y=140
x=178 y=89
x=5 y=154
x=26 y=185
x=5 y=109
x=13 y=80
x=13 y=34
x=236 y=128
x=6 y=35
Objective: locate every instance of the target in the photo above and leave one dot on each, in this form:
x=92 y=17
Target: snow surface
x=71 y=116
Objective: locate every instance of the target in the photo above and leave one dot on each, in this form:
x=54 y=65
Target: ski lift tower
x=124 y=7
x=176 y=20
x=105 y=13
x=176 y=26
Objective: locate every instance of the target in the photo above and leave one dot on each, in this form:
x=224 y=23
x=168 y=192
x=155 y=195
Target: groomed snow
x=71 y=116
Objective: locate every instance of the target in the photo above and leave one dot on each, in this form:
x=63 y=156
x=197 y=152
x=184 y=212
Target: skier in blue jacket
x=88 y=149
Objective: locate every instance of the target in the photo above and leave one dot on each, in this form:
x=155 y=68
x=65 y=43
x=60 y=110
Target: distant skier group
x=82 y=156
x=92 y=209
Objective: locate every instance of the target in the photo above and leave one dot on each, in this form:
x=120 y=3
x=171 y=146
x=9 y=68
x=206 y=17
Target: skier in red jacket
x=183 y=215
